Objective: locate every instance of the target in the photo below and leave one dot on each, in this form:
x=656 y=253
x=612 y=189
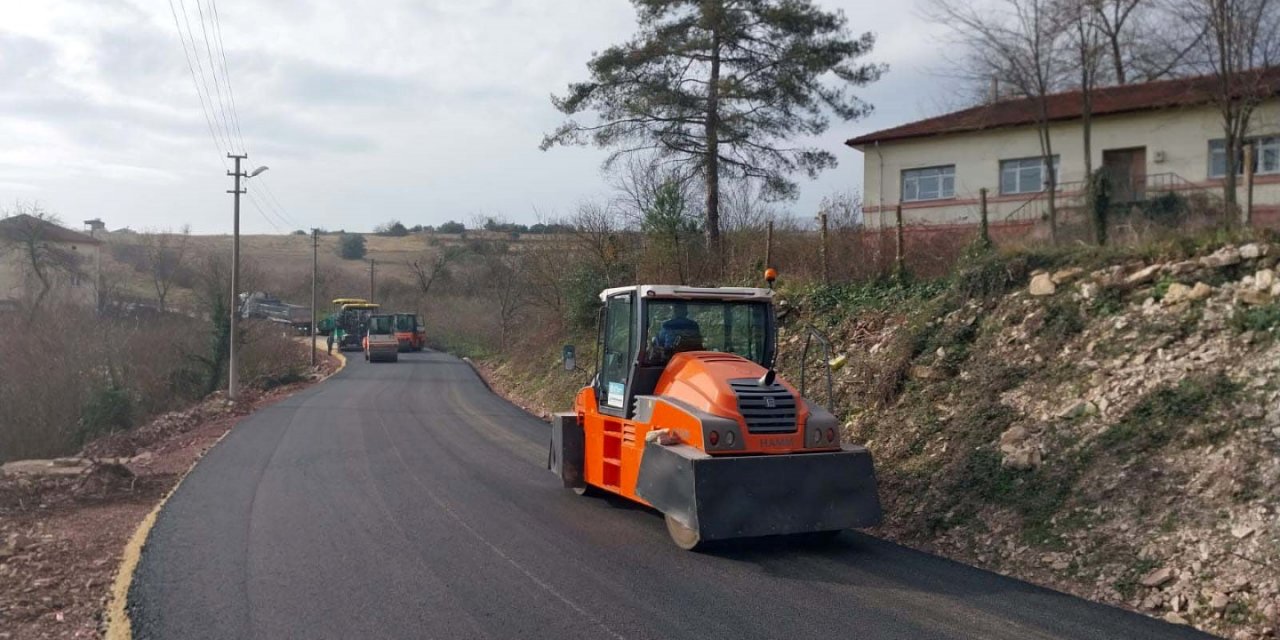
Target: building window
x=930 y=183
x=1266 y=157
x=1025 y=175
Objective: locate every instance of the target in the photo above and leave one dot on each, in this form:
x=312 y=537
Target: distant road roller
x=687 y=415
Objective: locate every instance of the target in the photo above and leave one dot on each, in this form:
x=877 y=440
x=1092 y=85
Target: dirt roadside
x=62 y=534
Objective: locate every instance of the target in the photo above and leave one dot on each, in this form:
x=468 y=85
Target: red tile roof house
x=1154 y=138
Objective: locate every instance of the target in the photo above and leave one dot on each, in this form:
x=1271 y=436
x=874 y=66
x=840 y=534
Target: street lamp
x=232 y=377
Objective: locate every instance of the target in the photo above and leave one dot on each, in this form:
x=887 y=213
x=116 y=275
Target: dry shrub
x=67 y=375
x=269 y=356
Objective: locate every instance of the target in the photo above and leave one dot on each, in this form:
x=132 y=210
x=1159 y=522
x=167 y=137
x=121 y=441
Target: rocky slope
x=1113 y=432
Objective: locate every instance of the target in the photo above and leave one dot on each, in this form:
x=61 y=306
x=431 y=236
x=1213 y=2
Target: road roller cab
x=686 y=414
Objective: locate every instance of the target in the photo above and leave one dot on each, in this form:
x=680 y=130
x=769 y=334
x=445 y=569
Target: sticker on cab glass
x=616 y=392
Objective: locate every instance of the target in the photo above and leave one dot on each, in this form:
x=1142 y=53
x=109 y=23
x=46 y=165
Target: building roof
x=1129 y=98
x=22 y=225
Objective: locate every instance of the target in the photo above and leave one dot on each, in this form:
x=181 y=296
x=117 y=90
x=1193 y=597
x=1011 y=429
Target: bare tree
x=638 y=181
x=27 y=232
x=1087 y=36
x=109 y=284
x=597 y=232
x=1240 y=41
x=1111 y=19
x=545 y=263
x=431 y=267
x=507 y=289
x=746 y=207
x=1155 y=43
x=165 y=253
x=1026 y=45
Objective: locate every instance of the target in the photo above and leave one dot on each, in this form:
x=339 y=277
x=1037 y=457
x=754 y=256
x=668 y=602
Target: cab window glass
x=617 y=351
x=675 y=326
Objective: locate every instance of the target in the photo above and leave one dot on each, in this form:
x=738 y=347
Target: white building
x=68 y=259
x=1154 y=138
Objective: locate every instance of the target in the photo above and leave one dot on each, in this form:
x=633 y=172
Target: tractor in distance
x=351 y=325
x=327 y=324
x=686 y=414
x=380 y=342
x=410 y=332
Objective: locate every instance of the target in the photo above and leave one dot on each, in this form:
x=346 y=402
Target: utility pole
x=232 y=378
x=984 y=232
x=899 y=259
x=315 y=243
x=372 y=264
x=824 y=247
x=1249 y=159
x=768 y=244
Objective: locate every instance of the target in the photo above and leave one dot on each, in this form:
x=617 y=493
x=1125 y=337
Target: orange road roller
x=686 y=414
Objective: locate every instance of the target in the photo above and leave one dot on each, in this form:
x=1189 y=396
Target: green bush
x=1109 y=300
x=108 y=409
x=1167 y=208
x=1260 y=318
x=351 y=246
x=885 y=294
x=1063 y=319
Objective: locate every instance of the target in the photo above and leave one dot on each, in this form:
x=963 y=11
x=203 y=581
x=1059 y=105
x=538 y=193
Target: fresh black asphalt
x=407 y=501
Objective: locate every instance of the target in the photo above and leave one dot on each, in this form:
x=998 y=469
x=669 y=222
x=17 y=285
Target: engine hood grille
x=766 y=409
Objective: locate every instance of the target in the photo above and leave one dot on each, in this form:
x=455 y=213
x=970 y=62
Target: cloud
x=423 y=111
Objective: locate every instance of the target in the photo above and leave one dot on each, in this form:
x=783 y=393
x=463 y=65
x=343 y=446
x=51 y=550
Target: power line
x=229 y=123
x=213 y=68
x=226 y=70
x=269 y=198
x=260 y=211
x=203 y=108
x=222 y=127
x=275 y=203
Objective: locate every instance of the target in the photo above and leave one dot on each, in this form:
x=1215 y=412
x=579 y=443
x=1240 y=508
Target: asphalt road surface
x=407 y=501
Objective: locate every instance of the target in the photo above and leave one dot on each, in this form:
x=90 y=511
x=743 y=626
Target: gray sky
x=420 y=111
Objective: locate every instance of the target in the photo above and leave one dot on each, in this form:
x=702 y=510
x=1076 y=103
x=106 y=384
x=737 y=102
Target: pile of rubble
x=134 y=442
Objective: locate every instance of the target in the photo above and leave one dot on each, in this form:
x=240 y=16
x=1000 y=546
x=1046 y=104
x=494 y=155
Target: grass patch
x=1036 y=496
x=880 y=295
x=1063 y=319
x=1259 y=319
x=1165 y=412
x=1109 y=300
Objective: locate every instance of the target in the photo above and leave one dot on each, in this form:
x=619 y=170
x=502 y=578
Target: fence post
x=984 y=232
x=768 y=244
x=1247 y=213
x=826 y=271
x=899 y=259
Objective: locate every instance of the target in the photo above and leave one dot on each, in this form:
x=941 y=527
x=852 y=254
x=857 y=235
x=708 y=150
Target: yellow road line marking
x=119 y=626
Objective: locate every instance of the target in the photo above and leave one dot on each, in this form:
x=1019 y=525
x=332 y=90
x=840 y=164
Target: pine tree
x=722 y=87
